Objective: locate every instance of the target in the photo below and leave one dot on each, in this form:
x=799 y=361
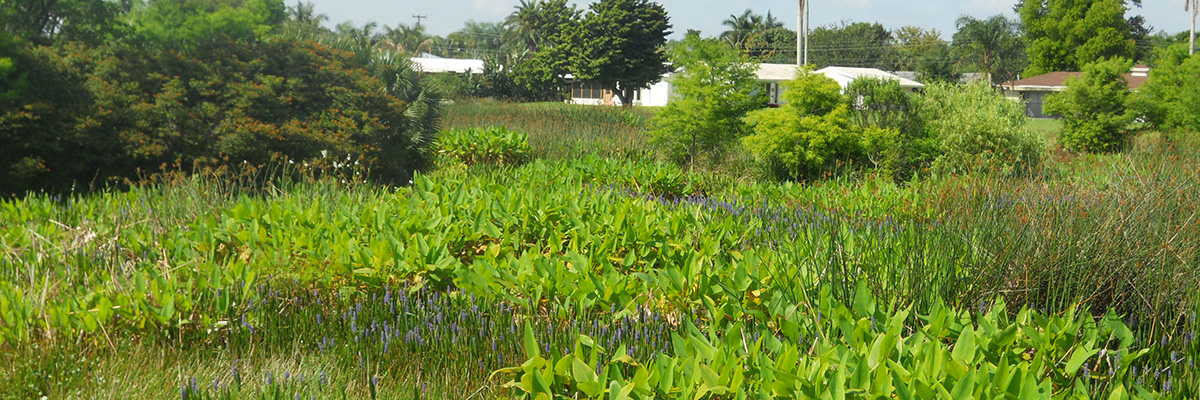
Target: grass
x=425 y=291
x=562 y=131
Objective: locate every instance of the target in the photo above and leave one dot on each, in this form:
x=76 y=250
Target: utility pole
x=807 y=28
x=800 y=31
x=802 y=22
x=1195 y=5
x=419 y=18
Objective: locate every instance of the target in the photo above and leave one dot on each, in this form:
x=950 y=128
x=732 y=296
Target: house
x=657 y=95
x=1033 y=90
x=771 y=76
x=774 y=75
x=430 y=63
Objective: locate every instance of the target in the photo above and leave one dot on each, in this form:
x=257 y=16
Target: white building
x=771 y=76
x=657 y=95
x=430 y=63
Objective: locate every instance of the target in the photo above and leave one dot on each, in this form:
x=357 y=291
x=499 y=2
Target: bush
x=883 y=104
x=495 y=145
x=1170 y=98
x=121 y=112
x=811 y=133
x=1093 y=108
x=714 y=90
x=977 y=130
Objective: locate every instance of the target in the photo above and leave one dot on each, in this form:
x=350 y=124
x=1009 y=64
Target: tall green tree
x=858 y=44
x=620 y=46
x=991 y=46
x=409 y=40
x=537 y=23
x=748 y=24
x=48 y=21
x=1065 y=35
x=191 y=23
x=1170 y=98
x=923 y=51
x=714 y=89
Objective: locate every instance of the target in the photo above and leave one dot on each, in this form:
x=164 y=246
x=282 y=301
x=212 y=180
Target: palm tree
x=410 y=40
x=742 y=27
x=991 y=46
x=523 y=24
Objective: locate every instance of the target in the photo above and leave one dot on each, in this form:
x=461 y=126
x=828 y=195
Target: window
x=581 y=90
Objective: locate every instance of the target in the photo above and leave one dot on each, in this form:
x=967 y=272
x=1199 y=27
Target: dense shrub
x=977 y=130
x=118 y=111
x=1171 y=98
x=811 y=134
x=1093 y=108
x=883 y=104
x=495 y=145
x=714 y=90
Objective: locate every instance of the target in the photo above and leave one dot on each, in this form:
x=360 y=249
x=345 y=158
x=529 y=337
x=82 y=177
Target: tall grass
x=560 y=131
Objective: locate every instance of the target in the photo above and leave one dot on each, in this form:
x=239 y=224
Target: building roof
x=845 y=75
x=1057 y=81
x=776 y=72
x=436 y=65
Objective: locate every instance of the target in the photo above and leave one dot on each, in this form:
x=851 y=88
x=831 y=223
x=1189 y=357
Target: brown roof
x=1058 y=80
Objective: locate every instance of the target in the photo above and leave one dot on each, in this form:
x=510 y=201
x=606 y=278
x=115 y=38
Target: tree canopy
x=858 y=44
x=619 y=45
x=1065 y=35
x=991 y=46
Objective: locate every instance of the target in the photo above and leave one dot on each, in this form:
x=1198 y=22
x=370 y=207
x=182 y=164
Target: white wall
x=657 y=95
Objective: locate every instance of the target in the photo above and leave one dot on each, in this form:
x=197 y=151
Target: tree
x=714 y=89
x=190 y=23
x=924 y=52
x=1170 y=98
x=537 y=23
x=1064 y=35
x=811 y=133
x=991 y=46
x=743 y=27
x=976 y=129
x=409 y=40
x=858 y=44
x=776 y=45
x=619 y=46
x=48 y=21
x=1094 y=107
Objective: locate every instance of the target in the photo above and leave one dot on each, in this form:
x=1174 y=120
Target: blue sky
x=446 y=16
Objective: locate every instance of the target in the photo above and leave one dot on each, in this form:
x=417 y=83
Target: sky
x=446 y=16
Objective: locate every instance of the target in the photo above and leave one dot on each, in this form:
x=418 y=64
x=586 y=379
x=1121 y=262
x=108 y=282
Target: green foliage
x=860 y=348
x=494 y=145
x=977 y=130
x=1170 y=98
x=1093 y=107
x=562 y=131
x=42 y=144
x=811 y=133
x=992 y=46
x=186 y=23
x=119 y=113
x=618 y=45
x=858 y=44
x=714 y=90
x=48 y=22
x=1066 y=35
x=883 y=105
x=924 y=52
